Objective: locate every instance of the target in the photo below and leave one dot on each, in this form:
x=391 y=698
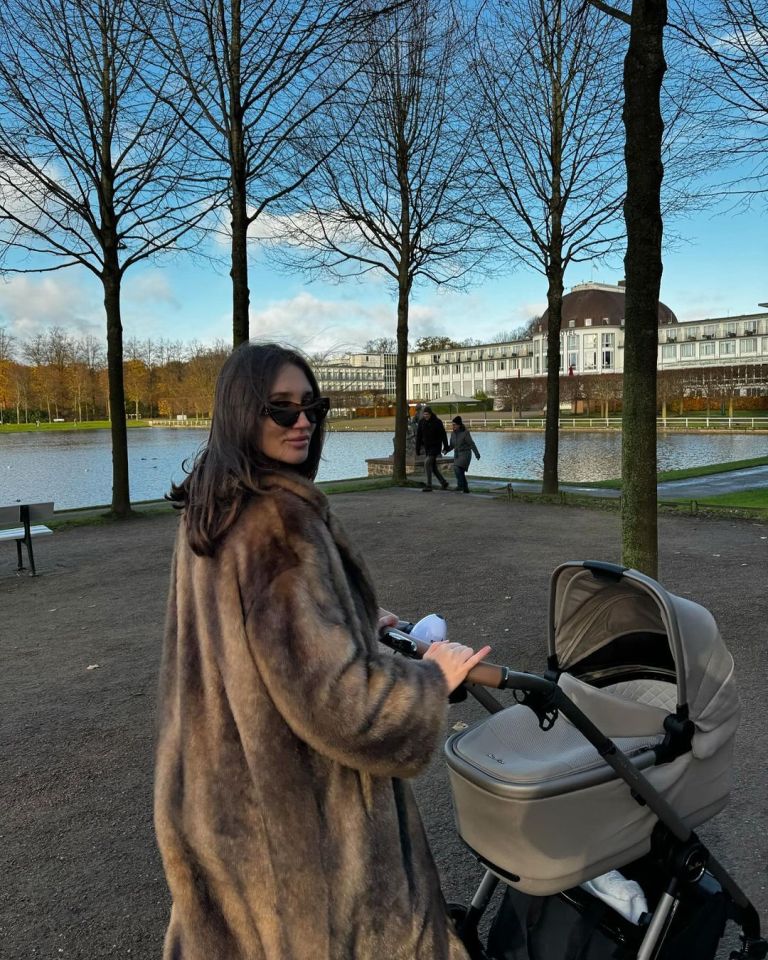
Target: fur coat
x=284 y=824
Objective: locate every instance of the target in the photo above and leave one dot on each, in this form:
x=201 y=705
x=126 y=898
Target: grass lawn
x=703 y=471
x=67 y=425
x=747 y=499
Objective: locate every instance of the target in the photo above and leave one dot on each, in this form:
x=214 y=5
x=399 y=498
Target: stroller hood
x=594 y=606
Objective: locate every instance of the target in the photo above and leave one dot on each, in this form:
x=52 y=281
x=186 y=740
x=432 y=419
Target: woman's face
x=289 y=445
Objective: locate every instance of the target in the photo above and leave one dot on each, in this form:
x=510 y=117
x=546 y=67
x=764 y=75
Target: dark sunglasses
x=286 y=414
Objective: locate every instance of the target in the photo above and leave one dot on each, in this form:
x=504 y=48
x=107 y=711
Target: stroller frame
x=683 y=852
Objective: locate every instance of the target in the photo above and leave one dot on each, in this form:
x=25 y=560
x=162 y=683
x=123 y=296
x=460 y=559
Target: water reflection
x=74 y=469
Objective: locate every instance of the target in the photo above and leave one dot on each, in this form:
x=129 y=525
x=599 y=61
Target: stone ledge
x=382 y=466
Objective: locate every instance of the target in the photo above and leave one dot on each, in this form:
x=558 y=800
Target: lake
x=74 y=469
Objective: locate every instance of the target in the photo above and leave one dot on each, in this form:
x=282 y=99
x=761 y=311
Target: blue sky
x=720 y=268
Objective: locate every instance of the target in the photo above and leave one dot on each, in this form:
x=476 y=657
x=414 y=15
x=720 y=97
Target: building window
x=478 y=386
x=446 y=389
x=748 y=345
x=608 y=340
x=589 y=345
x=687 y=350
x=707 y=349
x=765 y=344
x=571 y=323
x=457 y=368
x=526 y=363
x=478 y=368
x=502 y=364
x=587 y=321
x=489 y=365
x=727 y=348
x=467 y=368
x=669 y=351
x=709 y=331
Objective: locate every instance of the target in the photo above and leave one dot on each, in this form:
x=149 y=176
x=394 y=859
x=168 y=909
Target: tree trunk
x=554 y=272
x=239 y=187
x=644 y=69
x=552 y=426
x=121 y=501
x=401 y=378
x=404 y=281
x=239 y=270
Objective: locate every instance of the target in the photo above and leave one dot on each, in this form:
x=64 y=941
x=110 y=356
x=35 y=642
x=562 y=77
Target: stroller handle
x=484 y=673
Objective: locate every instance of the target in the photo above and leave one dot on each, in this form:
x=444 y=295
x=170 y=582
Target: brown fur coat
x=285 y=831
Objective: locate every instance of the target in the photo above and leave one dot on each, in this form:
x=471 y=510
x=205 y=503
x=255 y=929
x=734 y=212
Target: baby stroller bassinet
x=540 y=806
x=622 y=745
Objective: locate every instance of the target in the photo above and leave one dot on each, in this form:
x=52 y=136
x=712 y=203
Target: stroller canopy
x=593 y=605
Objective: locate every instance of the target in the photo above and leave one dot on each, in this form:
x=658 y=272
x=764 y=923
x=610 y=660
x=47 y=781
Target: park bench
x=23 y=521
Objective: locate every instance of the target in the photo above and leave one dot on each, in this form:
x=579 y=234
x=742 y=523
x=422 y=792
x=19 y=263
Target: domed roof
x=600 y=303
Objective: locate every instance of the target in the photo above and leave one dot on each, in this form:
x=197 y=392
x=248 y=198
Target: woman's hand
x=455 y=660
x=387 y=619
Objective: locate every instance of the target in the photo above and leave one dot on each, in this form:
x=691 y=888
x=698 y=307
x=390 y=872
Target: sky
x=718 y=269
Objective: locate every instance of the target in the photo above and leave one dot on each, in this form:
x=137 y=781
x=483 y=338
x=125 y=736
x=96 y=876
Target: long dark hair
x=226 y=472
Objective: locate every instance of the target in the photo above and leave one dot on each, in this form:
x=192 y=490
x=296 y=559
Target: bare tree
x=393 y=196
x=7 y=345
x=381 y=345
x=733 y=35
x=644 y=68
x=550 y=150
x=523 y=331
x=256 y=74
x=436 y=343
x=514 y=393
x=91 y=168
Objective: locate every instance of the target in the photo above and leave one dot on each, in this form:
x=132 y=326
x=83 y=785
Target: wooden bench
x=23 y=521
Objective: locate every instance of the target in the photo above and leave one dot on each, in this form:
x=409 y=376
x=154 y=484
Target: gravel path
x=79 y=648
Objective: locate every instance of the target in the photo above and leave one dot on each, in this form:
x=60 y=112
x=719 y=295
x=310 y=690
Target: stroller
x=605 y=762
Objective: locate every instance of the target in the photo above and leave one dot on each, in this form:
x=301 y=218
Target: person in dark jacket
x=432 y=439
x=463 y=447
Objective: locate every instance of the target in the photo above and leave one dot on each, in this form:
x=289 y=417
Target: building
x=592 y=343
x=357 y=377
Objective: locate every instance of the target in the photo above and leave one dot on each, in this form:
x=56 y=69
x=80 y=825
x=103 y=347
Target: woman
x=463 y=447
x=285 y=831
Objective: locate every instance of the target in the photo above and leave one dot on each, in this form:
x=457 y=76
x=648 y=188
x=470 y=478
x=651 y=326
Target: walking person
x=432 y=439
x=463 y=447
x=285 y=827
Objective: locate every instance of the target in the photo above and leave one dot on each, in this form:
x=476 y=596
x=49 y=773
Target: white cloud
x=30 y=304
x=317 y=325
x=148 y=286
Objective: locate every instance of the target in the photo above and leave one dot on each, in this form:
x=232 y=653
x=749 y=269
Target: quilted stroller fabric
x=541 y=807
